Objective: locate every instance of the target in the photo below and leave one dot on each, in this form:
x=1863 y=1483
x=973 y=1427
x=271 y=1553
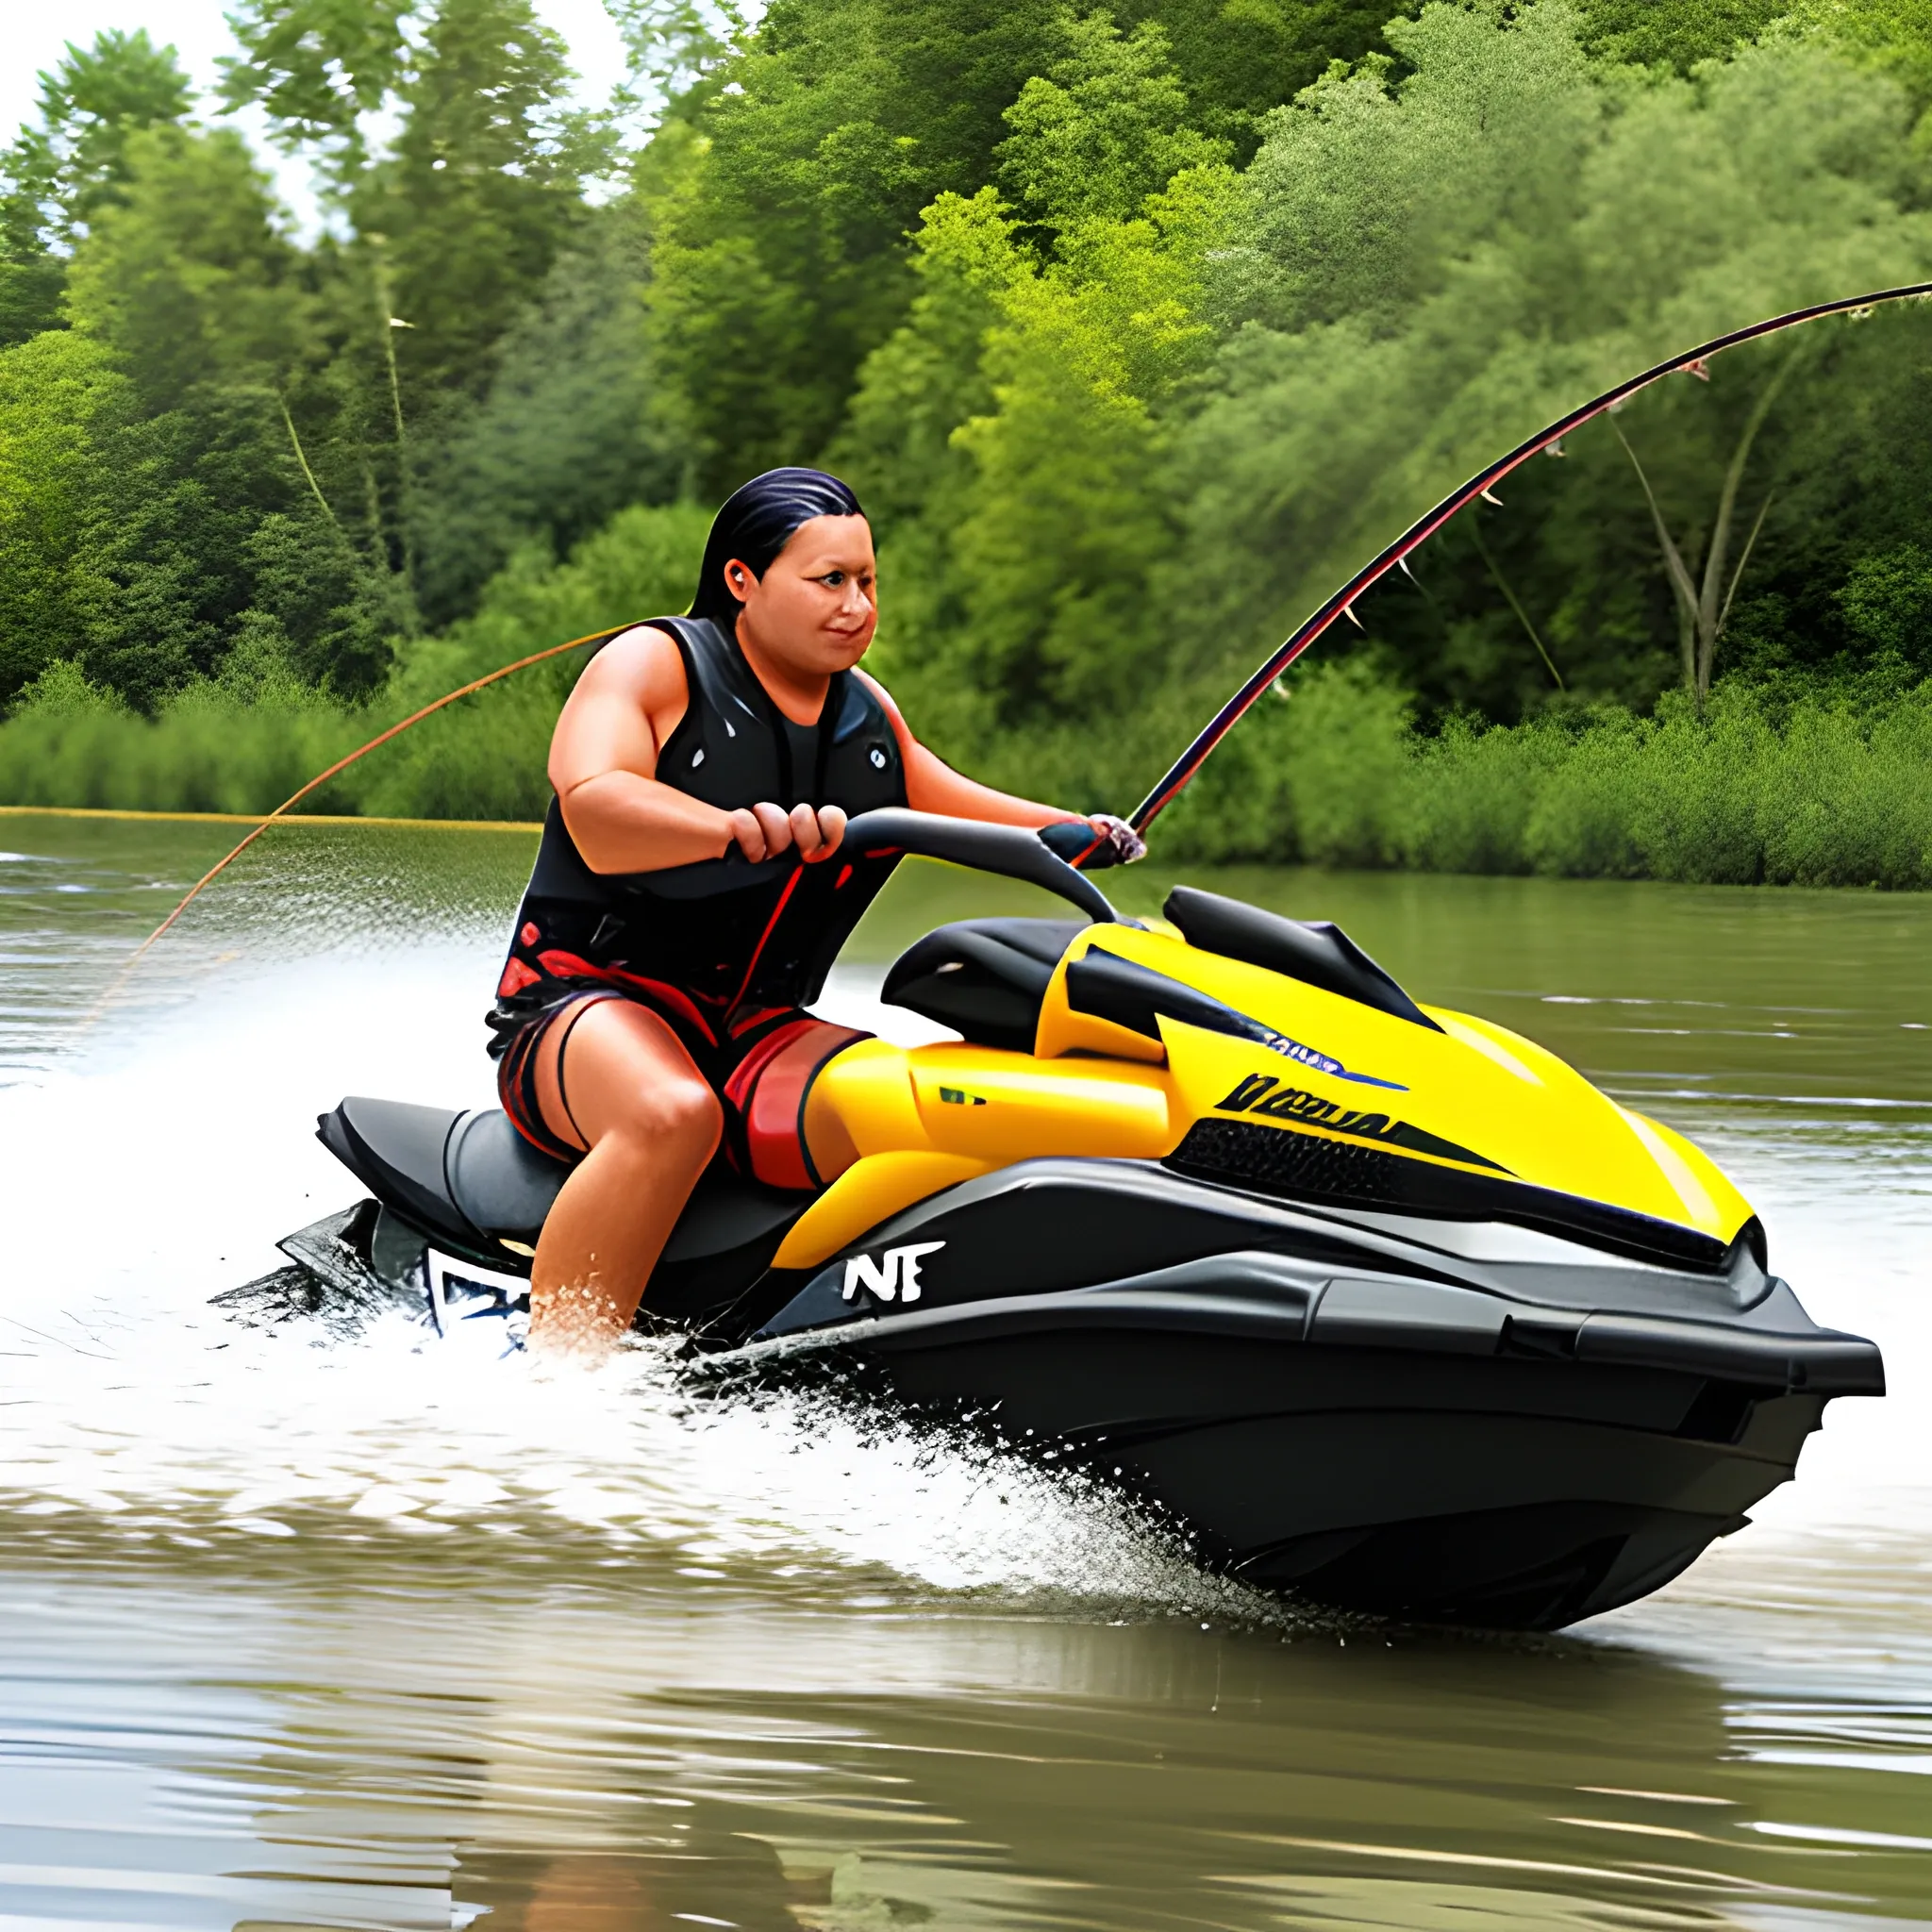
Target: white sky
x=34 y=36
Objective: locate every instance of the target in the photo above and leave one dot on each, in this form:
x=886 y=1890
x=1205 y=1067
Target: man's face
x=816 y=606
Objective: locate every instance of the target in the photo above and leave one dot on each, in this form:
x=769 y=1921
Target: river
x=301 y=1631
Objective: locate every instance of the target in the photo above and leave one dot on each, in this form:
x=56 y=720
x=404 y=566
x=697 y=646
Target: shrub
x=1471 y=791
x=250 y=739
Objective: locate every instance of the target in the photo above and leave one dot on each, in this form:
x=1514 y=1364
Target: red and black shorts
x=761 y=1068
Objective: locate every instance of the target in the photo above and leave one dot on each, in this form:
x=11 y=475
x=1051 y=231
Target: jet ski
x=1388 y=1306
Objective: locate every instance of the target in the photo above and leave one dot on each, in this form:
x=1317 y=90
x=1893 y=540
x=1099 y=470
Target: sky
x=35 y=36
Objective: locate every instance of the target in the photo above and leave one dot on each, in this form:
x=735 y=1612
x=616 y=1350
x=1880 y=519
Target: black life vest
x=739 y=940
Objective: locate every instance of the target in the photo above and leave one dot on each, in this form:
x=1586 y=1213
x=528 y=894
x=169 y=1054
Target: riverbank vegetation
x=1137 y=330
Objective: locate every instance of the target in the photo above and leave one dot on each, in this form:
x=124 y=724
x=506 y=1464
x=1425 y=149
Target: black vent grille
x=1287 y=1162
x=1310 y=1167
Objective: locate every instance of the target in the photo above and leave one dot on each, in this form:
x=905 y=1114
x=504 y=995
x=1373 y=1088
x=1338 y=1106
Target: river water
x=297 y=1631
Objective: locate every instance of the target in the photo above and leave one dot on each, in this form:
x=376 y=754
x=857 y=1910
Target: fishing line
x=1690 y=363
x=321 y=778
x=1181 y=772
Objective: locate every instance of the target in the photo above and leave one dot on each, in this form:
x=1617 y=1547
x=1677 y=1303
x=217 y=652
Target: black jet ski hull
x=1444 y=1420
x=1500 y=1492
x=1370 y=1413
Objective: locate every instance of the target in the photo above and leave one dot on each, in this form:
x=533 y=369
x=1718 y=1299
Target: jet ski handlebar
x=1012 y=851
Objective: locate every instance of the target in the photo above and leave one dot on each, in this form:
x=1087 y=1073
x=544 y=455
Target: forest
x=1137 y=331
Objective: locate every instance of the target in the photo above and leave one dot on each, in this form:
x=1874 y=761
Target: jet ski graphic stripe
x=1315 y=1167
x=1110 y=987
x=1261 y=1093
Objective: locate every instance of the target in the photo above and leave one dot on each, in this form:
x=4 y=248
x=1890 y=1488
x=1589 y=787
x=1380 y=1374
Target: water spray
x=343 y=765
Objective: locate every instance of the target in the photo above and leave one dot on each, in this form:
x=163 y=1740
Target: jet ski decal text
x=1320 y=1063
x=1263 y=1094
x=894 y=1278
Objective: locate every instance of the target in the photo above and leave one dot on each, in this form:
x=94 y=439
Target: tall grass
x=1822 y=787
x=1762 y=786
x=248 y=741
x=212 y=750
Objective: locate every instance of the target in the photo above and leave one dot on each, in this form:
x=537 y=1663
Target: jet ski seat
x=468 y=1177
x=983 y=977
x=473 y=1183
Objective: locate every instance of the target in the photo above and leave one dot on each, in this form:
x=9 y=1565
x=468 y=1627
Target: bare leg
x=650 y=1125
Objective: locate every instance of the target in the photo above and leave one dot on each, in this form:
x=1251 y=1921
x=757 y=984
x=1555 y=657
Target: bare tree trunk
x=1674 y=568
x=1703 y=608
x=403 y=581
x=1711 y=608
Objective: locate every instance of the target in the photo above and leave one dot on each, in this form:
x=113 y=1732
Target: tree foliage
x=57 y=176
x=62 y=399
x=63 y=172
x=1550 y=225
x=320 y=70
x=481 y=188
x=284 y=418
x=187 y=276
x=1138 y=327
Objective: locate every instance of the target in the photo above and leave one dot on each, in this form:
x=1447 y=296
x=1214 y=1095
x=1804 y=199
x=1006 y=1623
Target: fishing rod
x=1691 y=362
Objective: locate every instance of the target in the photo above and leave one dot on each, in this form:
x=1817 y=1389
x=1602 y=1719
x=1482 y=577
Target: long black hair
x=757 y=521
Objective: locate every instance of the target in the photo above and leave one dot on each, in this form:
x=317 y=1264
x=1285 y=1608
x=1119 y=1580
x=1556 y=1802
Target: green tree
x=1047 y=516
x=792 y=178
x=1435 y=267
x=187 y=275
x=1892 y=36
x=57 y=175
x=1887 y=603
x=1241 y=58
x=560 y=444
x=211 y=509
x=455 y=224
x=61 y=172
x=481 y=190
x=458 y=219
x=674 y=44
x=782 y=206
x=1370 y=195
x=1677 y=33
x=179 y=494
x=59 y=393
x=319 y=69
x=312 y=608
x=1102 y=129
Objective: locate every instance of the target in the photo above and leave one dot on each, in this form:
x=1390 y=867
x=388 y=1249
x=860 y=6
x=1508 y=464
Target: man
x=691 y=889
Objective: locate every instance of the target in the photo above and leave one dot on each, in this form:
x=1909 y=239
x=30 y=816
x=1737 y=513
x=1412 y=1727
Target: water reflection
x=393 y=1757
x=306 y=1632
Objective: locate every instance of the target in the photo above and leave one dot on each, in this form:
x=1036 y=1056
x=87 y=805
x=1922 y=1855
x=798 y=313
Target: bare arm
x=932 y=785
x=604 y=761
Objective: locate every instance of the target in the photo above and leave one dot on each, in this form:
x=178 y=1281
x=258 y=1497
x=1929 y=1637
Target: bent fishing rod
x=1691 y=361
x=1180 y=773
